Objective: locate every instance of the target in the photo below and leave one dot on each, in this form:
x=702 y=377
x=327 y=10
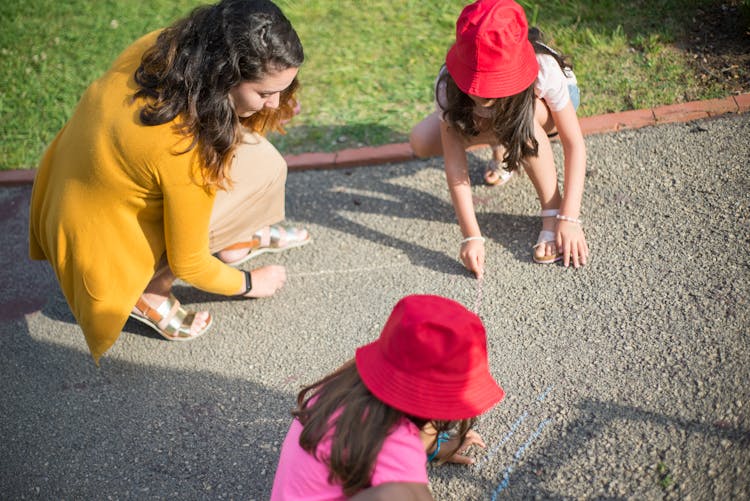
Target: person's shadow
x=336 y=199
x=26 y=284
x=71 y=430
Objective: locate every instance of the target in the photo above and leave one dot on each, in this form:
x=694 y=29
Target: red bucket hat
x=492 y=56
x=430 y=361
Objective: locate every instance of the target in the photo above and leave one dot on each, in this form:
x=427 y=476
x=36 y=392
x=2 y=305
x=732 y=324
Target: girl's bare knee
x=417 y=143
x=425 y=137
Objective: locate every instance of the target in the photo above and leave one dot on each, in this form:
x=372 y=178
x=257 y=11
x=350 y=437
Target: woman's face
x=249 y=97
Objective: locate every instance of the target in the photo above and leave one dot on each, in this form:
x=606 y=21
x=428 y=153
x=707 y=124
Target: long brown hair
x=360 y=428
x=188 y=73
x=512 y=121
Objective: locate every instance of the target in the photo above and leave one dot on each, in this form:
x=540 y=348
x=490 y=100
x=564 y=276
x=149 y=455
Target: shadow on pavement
x=521 y=472
x=378 y=192
x=26 y=284
x=131 y=431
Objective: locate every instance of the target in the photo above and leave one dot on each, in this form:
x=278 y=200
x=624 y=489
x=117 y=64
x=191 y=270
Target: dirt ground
x=719 y=43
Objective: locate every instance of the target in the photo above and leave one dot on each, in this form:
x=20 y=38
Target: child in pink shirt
x=411 y=396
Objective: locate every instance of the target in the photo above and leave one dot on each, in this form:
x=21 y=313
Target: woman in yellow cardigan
x=163 y=171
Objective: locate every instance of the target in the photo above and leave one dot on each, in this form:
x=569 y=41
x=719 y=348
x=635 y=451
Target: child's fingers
x=580 y=251
x=460 y=459
x=472 y=256
x=479 y=267
x=574 y=258
x=574 y=248
x=583 y=252
x=566 y=249
x=472 y=438
x=560 y=246
x=469 y=262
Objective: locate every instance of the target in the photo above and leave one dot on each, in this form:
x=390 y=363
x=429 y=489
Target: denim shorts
x=575 y=95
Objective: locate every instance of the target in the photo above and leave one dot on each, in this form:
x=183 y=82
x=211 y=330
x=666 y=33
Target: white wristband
x=569 y=219
x=469 y=239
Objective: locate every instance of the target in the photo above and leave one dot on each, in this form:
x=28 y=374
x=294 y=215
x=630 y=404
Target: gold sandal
x=176 y=320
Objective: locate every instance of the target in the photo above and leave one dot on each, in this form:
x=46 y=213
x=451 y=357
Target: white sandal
x=546 y=236
x=503 y=175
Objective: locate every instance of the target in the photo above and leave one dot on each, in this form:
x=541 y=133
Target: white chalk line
x=478 y=300
x=346 y=270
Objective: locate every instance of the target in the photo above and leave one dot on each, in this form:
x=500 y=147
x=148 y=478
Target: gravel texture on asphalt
x=627 y=379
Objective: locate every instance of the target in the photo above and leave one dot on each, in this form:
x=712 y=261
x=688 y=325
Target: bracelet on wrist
x=248 y=283
x=469 y=239
x=569 y=219
x=443 y=436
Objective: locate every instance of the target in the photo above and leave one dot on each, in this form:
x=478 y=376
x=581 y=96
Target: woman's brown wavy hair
x=512 y=121
x=188 y=73
x=360 y=429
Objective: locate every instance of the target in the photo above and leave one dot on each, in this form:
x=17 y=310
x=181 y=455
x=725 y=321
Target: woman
x=162 y=173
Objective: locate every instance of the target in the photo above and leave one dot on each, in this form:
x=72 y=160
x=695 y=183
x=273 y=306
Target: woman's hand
x=472 y=438
x=472 y=255
x=572 y=243
x=267 y=280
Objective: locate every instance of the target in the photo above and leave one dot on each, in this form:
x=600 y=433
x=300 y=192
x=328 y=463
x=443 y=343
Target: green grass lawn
x=369 y=69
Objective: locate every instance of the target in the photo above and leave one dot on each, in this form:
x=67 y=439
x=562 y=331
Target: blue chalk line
x=517 y=456
x=507 y=436
x=492 y=452
x=544 y=394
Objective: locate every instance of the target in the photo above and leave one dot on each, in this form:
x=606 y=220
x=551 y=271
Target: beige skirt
x=255 y=198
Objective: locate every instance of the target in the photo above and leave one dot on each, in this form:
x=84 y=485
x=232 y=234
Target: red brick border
x=743 y=102
x=401 y=152
x=15 y=177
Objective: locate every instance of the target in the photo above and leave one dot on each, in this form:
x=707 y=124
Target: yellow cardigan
x=111 y=196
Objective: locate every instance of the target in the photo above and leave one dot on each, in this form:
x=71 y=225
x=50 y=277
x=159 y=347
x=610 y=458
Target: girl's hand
x=572 y=242
x=472 y=438
x=267 y=280
x=472 y=255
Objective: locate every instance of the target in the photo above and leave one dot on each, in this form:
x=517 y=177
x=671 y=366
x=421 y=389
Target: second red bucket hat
x=430 y=361
x=492 y=56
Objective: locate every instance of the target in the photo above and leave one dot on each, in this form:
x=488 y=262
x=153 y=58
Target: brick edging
x=401 y=152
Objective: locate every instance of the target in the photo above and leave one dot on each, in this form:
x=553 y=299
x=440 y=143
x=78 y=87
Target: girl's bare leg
x=543 y=174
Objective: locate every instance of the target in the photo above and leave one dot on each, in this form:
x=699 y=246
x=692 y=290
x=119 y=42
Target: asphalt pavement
x=627 y=379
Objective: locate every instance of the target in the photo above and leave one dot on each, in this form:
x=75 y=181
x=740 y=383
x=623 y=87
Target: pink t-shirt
x=300 y=476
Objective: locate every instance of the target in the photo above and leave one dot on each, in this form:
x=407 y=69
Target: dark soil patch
x=718 y=40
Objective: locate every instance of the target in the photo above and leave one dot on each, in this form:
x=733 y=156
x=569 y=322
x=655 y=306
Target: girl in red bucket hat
x=501 y=86
x=409 y=397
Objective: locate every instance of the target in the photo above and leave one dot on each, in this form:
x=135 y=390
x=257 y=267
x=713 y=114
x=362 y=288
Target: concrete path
x=626 y=380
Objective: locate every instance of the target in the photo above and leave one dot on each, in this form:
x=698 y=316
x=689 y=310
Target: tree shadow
x=71 y=430
x=523 y=473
